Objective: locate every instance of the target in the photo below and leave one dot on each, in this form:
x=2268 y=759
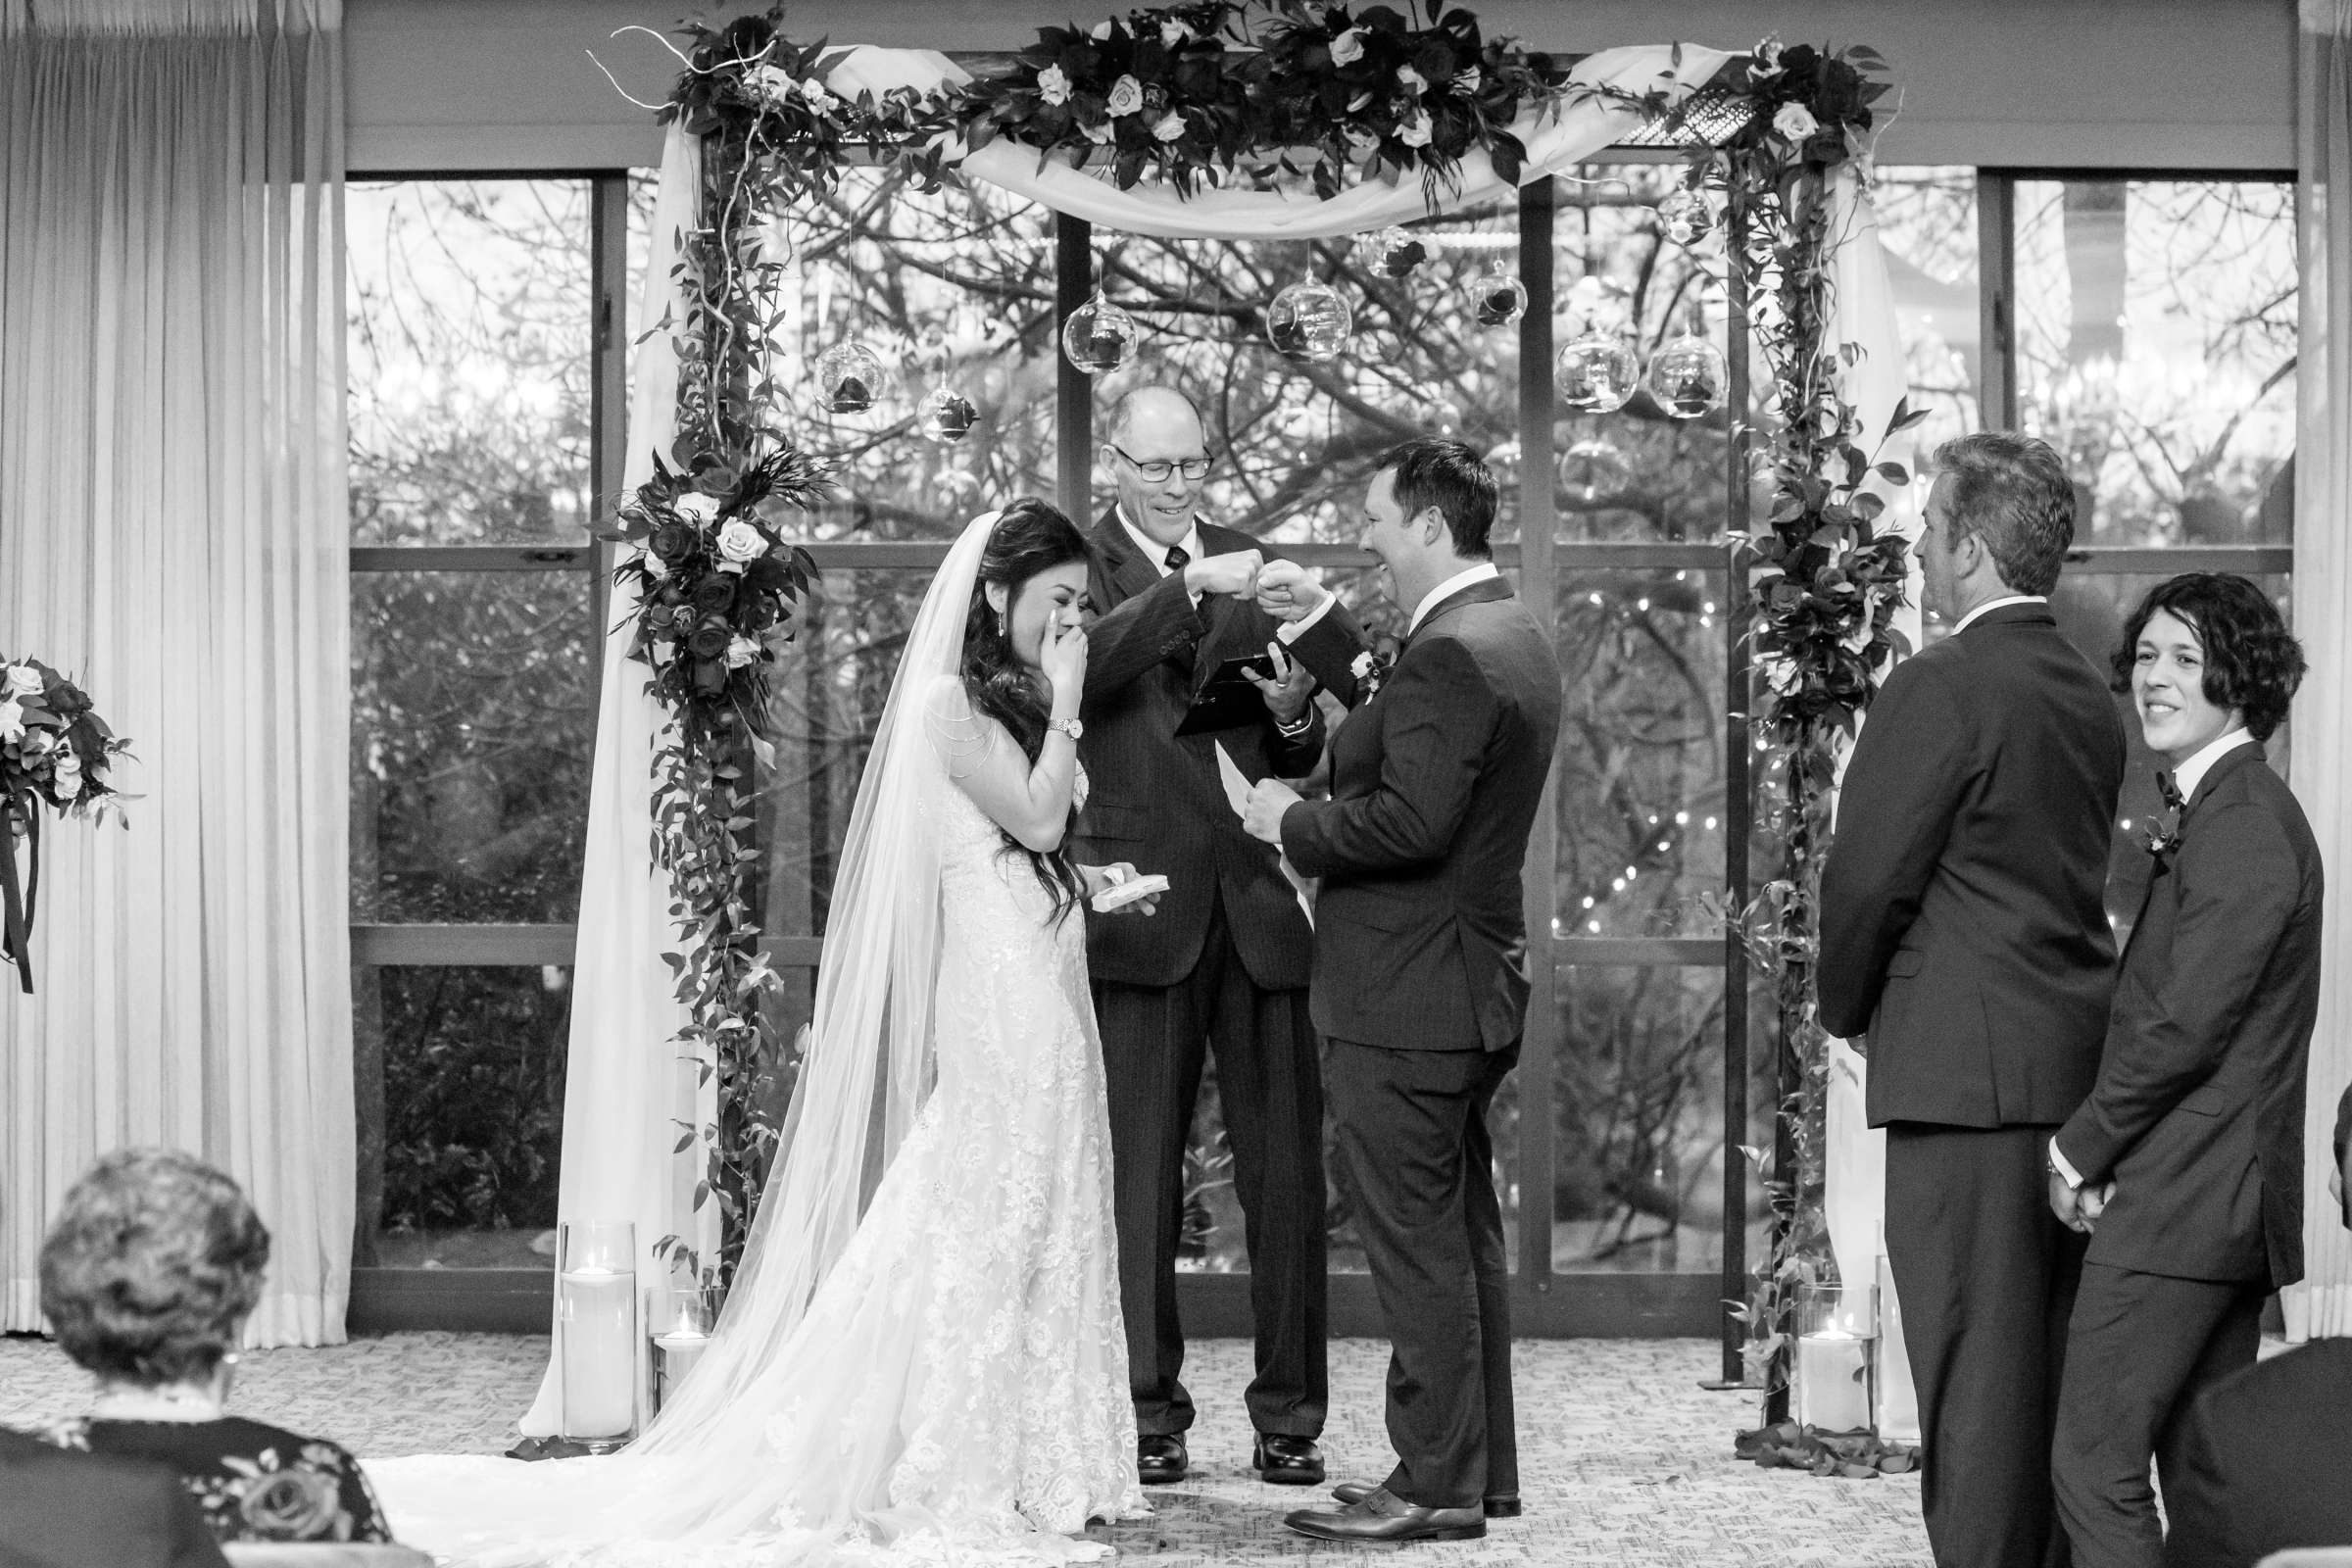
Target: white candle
x=600 y=1353
x=681 y=1348
x=1833 y=1381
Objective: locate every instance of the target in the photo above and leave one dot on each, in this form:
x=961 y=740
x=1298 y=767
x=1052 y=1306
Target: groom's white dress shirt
x=1484 y=571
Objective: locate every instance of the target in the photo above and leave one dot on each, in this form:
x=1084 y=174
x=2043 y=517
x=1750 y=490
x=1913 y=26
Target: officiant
x=1223 y=966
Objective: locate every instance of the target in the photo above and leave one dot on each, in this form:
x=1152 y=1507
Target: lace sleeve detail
x=960 y=737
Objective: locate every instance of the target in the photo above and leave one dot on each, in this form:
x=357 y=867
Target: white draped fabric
x=2320 y=752
x=617 y=1135
x=624 y=1096
x=171 y=477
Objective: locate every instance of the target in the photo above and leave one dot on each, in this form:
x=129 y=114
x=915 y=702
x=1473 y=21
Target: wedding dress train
x=955 y=1388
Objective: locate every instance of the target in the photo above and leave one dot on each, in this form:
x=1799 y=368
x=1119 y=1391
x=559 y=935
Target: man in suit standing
x=1421 y=978
x=2259 y=1463
x=1225 y=960
x=2186 y=1164
x=1963 y=928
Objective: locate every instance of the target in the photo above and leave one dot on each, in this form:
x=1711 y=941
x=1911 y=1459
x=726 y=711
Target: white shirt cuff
x=1289 y=632
x=2065 y=1172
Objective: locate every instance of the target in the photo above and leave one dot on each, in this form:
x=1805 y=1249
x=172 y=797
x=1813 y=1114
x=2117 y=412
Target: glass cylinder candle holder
x=596 y=1307
x=1835 y=1381
x=680 y=1319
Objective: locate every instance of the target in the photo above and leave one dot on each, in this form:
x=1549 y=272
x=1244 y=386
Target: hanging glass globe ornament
x=1310 y=322
x=1688 y=377
x=958 y=486
x=1099 y=337
x=1390 y=252
x=1496 y=298
x=1592 y=469
x=1597 y=373
x=1505 y=462
x=1445 y=418
x=1686 y=217
x=946 y=415
x=850 y=377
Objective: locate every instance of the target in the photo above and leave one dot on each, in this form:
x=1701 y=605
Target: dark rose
x=756 y=614
x=710 y=640
x=769 y=574
x=670 y=540
x=295 y=1505
x=715 y=595
x=709 y=676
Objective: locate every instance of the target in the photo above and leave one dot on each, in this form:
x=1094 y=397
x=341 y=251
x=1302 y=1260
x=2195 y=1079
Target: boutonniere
x=1371 y=668
x=2163 y=835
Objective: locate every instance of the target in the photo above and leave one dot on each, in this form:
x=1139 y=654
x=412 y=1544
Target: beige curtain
x=2320 y=761
x=172 y=534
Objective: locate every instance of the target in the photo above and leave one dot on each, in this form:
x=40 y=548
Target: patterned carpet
x=1627 y=1460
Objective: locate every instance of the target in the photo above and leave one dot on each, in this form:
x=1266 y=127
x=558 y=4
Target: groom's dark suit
x=1225 y=960
x=1962 y=927
x=2197 y=1119
x=1421 y=981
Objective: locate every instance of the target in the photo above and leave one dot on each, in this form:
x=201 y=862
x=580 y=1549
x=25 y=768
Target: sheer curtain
x=2320 y=760
x=172 y=534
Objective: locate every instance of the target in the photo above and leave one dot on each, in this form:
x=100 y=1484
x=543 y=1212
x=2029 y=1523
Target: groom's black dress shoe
x=1495 y=1505
x=1159 y=1458
x=1287 y=1461
x=1381 y=1515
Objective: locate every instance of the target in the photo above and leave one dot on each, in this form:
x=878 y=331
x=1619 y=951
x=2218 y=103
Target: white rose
x=773 y=81
x=655 y=565
x=1767 y=57
x=1414 y=133
x=1349 y=47
x=1469 y=82
x=1782 y=674
x=11 y=719
x=1053 y=85
x=65 y=780
x=1411 y=80
x=696 y=507
x=740 y=541
x=1126 y=97
x=1170 y=126
x=23 y=682
x=1794 y=121
x=1173 y=32
x=741 y=651
x=812 y=94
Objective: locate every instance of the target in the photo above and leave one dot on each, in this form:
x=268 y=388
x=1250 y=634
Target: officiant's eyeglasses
x=1158 y=470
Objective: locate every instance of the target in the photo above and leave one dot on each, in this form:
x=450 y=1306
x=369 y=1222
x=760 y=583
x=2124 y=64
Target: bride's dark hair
x=1030 y=537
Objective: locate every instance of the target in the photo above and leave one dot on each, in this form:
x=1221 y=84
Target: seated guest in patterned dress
x=147 y=1277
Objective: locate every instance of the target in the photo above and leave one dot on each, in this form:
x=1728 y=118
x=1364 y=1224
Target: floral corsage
x=1371 y=668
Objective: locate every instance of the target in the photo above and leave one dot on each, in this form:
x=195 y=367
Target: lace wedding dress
x=955 y=1391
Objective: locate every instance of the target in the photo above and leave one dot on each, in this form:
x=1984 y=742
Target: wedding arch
x=1261 y=119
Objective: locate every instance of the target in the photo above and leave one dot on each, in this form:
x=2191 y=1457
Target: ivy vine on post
x=1825 y=585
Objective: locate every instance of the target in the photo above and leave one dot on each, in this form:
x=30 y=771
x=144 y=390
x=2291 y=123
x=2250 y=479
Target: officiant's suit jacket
x=1157 y=800
x=2197 y=1116
x=1963 y=923
x=1435 y=782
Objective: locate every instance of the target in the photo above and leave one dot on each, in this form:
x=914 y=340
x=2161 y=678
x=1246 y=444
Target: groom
x=1420 y=975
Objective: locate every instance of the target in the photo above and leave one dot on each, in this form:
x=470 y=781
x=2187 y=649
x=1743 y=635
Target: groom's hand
x=1286 y=694
x=2067 y=1204
x=1261 y=815
x=1288 y=591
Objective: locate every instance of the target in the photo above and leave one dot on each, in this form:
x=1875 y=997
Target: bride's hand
x=1062 y=658
x=1101 y=877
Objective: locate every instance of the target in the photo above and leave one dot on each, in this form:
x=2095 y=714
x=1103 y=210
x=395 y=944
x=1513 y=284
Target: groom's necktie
x=1179 y=557
x=2167 y=789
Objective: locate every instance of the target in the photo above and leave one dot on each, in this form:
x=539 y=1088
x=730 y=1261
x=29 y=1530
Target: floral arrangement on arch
x=54 y=752
x=1189 y=93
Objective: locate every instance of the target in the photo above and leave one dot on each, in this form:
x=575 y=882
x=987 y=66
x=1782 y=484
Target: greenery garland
x=1275 y=94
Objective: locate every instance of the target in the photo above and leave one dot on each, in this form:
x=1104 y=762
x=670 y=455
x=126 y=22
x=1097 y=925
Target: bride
x=928 y=1366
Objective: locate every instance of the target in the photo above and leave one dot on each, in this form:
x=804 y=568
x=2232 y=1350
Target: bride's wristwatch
x=1071 y=727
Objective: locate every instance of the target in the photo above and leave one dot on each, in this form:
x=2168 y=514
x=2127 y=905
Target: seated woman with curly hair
x=147 y=1277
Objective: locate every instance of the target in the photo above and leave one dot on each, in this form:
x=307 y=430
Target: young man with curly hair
x=2186 y=1164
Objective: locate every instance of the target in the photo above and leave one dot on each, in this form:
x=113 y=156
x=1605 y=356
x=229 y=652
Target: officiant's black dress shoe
x=1159 y=1458
x=1496 y=1504
x=1383 y=1517
x=1287 y=1461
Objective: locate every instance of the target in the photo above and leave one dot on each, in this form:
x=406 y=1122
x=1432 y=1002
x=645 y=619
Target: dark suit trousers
x=1420 y=1166
x=1270 y=1086
x=1987 y=1277
x=2140 y=1347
